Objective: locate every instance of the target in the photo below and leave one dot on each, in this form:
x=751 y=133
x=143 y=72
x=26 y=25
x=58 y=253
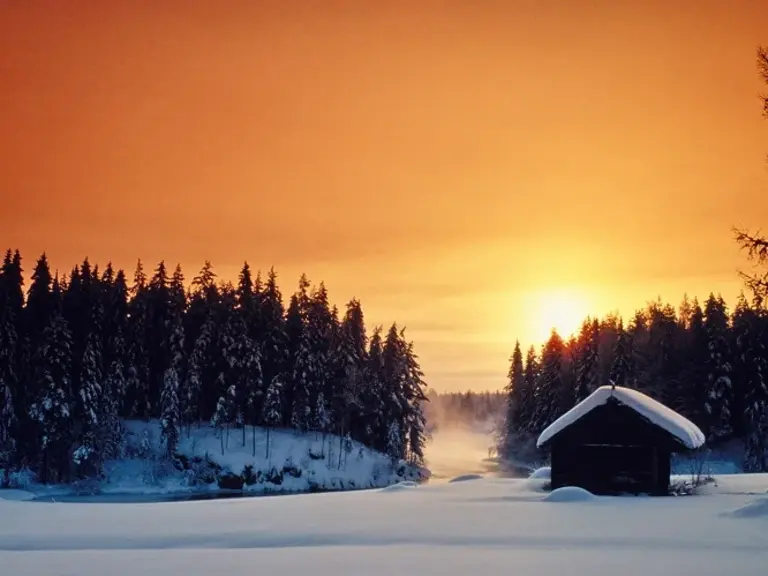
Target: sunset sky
x=475 y=170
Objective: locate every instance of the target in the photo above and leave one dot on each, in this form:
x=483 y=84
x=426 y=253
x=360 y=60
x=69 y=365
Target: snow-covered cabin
x=617 y=440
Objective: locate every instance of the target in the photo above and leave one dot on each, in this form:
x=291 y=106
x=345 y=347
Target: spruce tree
x=272 y=410
x=137 y=384
x=350 y=359
x=587 y=359
x=90 y=400
x=622 y=357
x=222 y=417
x=531 y=374
x=53 y=409
x=551 y=398
x=515 y=392
x=170 y=403
x=718 y=365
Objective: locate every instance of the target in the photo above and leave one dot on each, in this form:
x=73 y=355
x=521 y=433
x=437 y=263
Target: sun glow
x=561 y=309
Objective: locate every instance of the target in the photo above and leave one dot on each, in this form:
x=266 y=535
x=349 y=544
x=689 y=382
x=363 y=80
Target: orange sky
x=474 y=170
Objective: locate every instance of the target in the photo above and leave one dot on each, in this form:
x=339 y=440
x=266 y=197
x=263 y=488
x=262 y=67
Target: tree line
x=81 y=353
x=706 y=362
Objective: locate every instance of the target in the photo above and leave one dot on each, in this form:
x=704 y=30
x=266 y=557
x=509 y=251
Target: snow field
x=447 y=528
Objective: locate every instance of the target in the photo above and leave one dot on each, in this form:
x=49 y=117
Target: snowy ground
x=486 y=525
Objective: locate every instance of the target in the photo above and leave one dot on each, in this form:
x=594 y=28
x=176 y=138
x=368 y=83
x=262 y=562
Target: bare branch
x=762 y=67
x=756 y=245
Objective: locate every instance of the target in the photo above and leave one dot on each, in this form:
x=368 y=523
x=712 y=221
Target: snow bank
x=569 y=494
x=678 y=426
x=292 y=463
x=545 y=472
x=399 y=487
x=466 y=478
x=754 y=509
x=16 y=495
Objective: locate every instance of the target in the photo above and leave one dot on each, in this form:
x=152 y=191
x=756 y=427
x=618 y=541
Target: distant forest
x=708 y=363
x=482 y=411
x=81 y=353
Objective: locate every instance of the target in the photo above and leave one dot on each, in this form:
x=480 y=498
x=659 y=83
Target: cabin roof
x=678 y=426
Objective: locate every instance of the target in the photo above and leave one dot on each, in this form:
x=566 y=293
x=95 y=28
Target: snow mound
x=754 y=509
x=678 y=426
x=16 y=495
x=569 y=494
x=466 y=477
x=400 y=486
x=543 y=473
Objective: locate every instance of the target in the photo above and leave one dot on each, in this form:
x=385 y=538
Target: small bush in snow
x=316 y=453
x=230 y=481
x=273 y=476
x=20 y=480
x=291 y=469
x=250 y=476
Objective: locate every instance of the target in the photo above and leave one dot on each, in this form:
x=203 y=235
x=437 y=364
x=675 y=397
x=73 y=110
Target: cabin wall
x=613 y=450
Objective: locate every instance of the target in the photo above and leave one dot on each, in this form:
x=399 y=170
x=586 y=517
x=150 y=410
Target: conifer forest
x=82 y=353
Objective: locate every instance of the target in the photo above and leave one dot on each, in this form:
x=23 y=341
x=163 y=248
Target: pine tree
x=137 y=368
x=515 y=392
x=11 y=344
x=718 y=366
x=222 y=418
x=272 y=409
x=274 y=340
x=89 y=401
x=114 y=393
x=170 y=417
x=531 y=374
x=7 y=425
x=587 y=360
x=39 y=301
x=194 y=376
x=348 y=379
x=372 y=402
x=750 y=369
x=622 y=358
x=415 y=419
x=551 y=397
x=301 y=387
x=52 y=411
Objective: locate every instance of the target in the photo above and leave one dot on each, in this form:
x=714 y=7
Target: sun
x=562 y=309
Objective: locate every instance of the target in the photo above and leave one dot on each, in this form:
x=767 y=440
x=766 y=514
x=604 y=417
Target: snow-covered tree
x=551 y=397
x=718 y=365
x=194 y=376
x=170 y=416
x=52 y=411
x=7 y=424
x=515 y=396
x=622 y=358
x=90 y=401
x=301 y=387
x=587 y=359
x=272 y=409
x=222 y=418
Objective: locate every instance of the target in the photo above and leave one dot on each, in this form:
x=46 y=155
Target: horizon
x=476 y=175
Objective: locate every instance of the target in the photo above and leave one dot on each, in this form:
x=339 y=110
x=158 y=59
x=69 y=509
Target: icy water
x=455 y=452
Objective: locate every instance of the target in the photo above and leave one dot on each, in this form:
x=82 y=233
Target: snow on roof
x=678 y=426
